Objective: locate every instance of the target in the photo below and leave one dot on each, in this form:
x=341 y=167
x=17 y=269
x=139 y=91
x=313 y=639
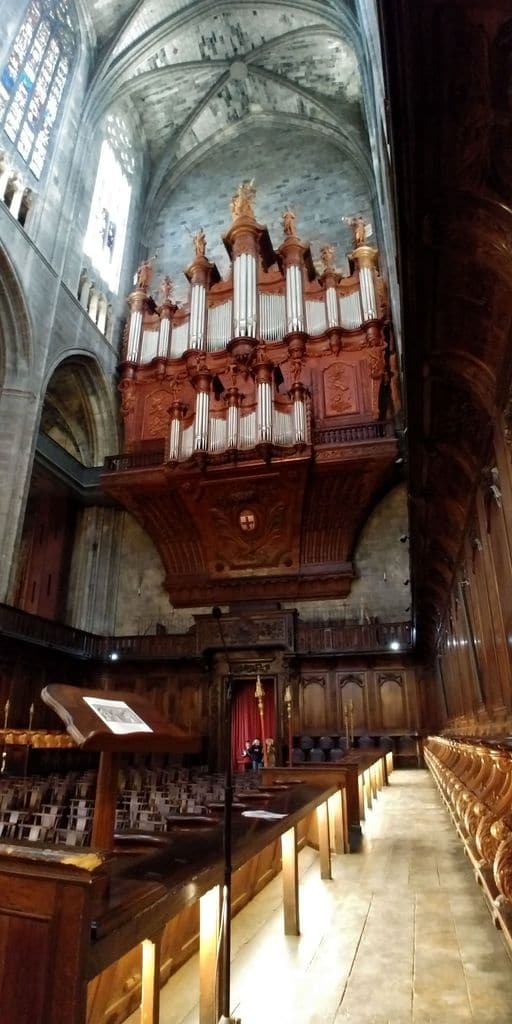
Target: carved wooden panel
x=156 y=413
x=352 y=693
x=392 y=699
x=340 y=389
x=314 y=711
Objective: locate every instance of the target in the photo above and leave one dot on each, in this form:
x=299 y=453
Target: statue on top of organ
x=281 y=362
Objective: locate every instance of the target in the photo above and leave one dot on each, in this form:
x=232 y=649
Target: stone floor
x=401 y=935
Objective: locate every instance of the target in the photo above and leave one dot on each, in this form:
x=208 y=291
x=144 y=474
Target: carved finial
x=243 y=199
x=199 y=240
x=327 y=254
x=289 y=223
x=361 y=229
x=166 y=288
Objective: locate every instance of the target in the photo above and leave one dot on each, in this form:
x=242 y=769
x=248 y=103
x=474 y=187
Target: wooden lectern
x=113 y=723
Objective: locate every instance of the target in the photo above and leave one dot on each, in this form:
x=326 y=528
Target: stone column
x=19 y=413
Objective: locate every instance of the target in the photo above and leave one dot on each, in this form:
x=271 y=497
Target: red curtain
x=246 y=717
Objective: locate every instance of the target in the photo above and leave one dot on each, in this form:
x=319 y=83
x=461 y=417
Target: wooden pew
x=474 y=777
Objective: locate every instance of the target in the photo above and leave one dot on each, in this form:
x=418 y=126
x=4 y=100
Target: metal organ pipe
x=134 y=336
x=164 y=334
x=244 y=296
x=368 y=297
x=264 y=410
x=201 y=421
x=294 y=299
x=197 y=309
x=331 y=301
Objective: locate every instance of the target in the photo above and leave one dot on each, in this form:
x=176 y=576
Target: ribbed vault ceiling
x=193 y=71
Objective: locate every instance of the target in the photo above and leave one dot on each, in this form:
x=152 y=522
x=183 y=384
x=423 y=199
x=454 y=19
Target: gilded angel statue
x=199 y=240
x=289 y=222
x=243 y=200
x=361 y=229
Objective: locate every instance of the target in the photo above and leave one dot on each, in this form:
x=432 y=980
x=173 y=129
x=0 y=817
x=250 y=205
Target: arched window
x=106 y=230
x=33 y=80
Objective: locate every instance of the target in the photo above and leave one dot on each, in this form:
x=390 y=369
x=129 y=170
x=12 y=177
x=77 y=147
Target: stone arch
x=15 y=326
x=78 y=409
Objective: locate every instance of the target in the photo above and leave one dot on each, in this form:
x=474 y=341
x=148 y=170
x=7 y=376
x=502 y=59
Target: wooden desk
x=74 y=914
x=359 y=777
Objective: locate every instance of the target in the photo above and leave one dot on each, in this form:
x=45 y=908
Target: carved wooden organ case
x=255 y=443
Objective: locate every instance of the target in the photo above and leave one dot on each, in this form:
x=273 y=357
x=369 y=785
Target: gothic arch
x=15 y=327
x=78 y=409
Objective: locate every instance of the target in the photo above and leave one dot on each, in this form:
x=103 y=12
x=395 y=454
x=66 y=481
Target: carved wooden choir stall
x=255 y=415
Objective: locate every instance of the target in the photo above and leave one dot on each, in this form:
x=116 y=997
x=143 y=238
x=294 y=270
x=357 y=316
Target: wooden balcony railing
x=350 y=435
x=293 y=634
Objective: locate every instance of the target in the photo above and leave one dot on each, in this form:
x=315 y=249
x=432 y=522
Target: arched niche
x=352 y=699
x=393 y=709
x=78 y=410
x=313 y=702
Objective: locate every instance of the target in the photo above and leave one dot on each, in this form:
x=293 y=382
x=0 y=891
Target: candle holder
x=288 y=706
x=351 y=721
x=4 y=751
x=347 y=735
x=259 y=694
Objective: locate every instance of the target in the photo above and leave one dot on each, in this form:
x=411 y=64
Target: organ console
x=272 y=382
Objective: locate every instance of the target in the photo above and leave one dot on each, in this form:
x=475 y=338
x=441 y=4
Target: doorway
x=246 y=717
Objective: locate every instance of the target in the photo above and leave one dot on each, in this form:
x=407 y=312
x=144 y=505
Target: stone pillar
x=19 y=413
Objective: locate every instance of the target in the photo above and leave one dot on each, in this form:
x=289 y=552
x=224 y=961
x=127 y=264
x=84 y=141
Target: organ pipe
x=197 y=311
x=368 y=297
x=201 y=421
x=134 y=336
x=264 y=410
x=176 y=430
x=331 y=301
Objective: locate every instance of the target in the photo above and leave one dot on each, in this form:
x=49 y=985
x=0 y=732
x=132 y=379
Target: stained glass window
x=32 y=82
x=106 y=230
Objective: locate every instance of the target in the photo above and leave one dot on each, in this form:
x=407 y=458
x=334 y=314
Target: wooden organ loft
x=257 y=416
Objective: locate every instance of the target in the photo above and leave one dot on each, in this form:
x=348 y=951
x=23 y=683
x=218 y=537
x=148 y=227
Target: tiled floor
x=401 y=935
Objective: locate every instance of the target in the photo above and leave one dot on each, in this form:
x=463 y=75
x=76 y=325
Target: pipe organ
x=254 y=381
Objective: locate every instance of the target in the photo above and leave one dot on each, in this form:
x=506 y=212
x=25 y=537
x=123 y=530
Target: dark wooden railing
x=339 y=638
x=306 y=638
x=357 y=432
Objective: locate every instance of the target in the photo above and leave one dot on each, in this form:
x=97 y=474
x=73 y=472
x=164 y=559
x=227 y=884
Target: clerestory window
x=33 y=81
x=108 y=217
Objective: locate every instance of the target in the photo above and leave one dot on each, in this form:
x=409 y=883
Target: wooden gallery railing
x=475 y=780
